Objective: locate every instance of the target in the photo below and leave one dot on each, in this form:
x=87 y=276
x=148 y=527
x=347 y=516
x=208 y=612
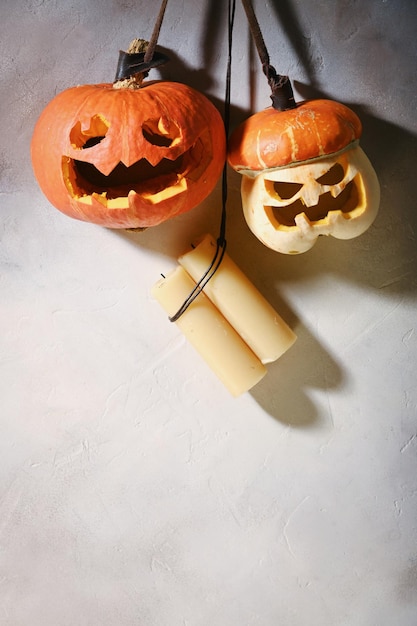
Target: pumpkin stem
x=137 y=45
x=138 y=48
x=141 y=56
x=282 y=95
x=133 y=66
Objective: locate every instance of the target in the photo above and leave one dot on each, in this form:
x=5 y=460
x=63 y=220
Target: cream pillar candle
x=240 y=302
x=206 y=329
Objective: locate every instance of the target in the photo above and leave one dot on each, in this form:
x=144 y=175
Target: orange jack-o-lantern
x=128 y=158
x=304 y=175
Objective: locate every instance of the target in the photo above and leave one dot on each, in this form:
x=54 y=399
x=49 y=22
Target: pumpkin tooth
x=100 y=197
x=310 y=195
x=301 y=220
x=168 y=192
x=335 y=190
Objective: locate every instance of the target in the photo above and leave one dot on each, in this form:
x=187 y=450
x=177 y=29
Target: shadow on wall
x=213 y=38
x=383 y=259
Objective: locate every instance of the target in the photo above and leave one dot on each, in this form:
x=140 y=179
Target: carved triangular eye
x=333 y=176
x=285 y=190
x=90 y=137
x=160 y=133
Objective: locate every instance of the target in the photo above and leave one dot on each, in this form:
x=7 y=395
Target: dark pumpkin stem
x=282 y=95
x=134 y=65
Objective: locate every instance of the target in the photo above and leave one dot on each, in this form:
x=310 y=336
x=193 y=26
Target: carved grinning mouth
x=84 y=180
x=345 y=202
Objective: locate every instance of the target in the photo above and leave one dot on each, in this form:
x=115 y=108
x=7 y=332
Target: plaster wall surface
x=134 y=490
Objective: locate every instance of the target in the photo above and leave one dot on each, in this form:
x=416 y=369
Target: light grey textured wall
x=361 y=53
x=133 y=489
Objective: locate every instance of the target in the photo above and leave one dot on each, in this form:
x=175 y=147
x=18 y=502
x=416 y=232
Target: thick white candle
x=240 y=302
x=206 y=329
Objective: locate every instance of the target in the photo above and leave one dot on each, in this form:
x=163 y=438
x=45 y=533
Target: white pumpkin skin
x=291 y=225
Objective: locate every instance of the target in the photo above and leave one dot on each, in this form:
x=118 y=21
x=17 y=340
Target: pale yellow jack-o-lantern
x=304 y=175
x=287 y=209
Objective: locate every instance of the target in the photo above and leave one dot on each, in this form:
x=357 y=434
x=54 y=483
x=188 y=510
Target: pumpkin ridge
x=162 y=104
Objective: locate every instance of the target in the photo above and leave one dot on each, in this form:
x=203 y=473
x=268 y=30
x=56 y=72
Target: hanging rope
x=282 y=94
x=142 y=56
x=221 y=240
x=150 y=51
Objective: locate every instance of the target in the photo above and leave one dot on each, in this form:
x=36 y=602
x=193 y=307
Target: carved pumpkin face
x=128 y=158
x=304 y=175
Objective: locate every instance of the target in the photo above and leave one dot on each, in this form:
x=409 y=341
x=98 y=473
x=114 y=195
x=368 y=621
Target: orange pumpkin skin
x=271 y=138
x=128 y=158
